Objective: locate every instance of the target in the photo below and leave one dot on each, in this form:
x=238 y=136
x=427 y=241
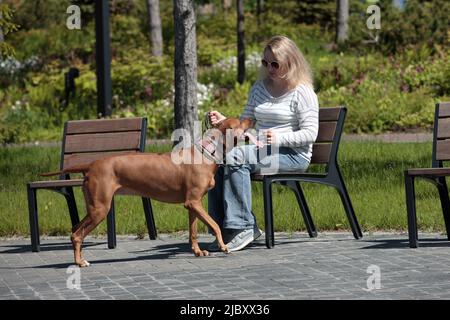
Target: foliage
x=321 y=12
x=388 y=84
x=419 y=23
x=6 y=26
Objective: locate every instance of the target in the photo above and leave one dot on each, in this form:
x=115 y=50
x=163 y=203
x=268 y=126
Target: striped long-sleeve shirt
x=293 y=117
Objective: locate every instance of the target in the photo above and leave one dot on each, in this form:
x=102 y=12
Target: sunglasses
x=274 y=64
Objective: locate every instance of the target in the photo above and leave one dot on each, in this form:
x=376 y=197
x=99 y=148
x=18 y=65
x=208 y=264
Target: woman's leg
x=237 y=188
x=215 y=199
x=241 y=163
x=235 y=216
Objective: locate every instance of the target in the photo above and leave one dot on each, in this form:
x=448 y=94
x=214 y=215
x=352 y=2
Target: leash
x=252 y=138
x=205 y=149
x=208 y=147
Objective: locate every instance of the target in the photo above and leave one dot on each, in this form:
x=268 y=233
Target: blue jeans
x=230 y=201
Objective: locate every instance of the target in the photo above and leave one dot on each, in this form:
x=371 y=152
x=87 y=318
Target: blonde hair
x=290 y=59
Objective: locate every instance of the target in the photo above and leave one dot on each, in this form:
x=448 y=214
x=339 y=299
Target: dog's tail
x=82 y=168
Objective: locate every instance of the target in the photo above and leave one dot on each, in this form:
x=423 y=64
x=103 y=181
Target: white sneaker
x=242 y=238
x=257 y=232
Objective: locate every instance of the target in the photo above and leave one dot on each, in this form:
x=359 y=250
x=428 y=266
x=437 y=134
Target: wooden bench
x=83 y=142
x=325 y=149
x=436 y=174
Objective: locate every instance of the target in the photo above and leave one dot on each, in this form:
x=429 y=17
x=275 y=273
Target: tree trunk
x=259 y=9
x=341 y=21
x=240 y=41
x=1 y=32
x=155 y=27
x=185 y=65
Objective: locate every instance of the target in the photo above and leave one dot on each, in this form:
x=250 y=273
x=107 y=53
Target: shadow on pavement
x=158 y=252
x=404 y=243
x=45 y=247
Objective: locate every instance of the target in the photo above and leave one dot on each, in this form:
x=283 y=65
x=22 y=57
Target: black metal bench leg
x=411 y=210
x=351 y=216
x=70 y=198
x=151 y=226
x=268 y=213
x=445 y=203
x=111 y=227
x=310 y=227
x=34 y=223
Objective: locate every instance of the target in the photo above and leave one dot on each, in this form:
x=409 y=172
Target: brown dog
x=155 y=176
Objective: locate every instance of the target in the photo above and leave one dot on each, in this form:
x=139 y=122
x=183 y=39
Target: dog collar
x=208 y=148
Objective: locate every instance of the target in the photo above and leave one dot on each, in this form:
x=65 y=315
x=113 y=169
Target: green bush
x=419 y=23
x=159 y=114
x=376 y=107
x=138 y=76
x=393 y=91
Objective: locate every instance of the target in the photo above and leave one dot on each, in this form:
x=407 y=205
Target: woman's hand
x=215 y=117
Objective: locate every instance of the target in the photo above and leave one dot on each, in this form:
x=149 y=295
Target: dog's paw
x=83 y=264
x=201 y=253
x=225 y=249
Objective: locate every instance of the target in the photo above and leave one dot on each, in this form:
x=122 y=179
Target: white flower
x=204 y=93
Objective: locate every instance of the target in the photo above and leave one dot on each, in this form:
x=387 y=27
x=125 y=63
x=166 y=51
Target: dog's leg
x=97 y=210
x=193 y=235
x=201 y=213
x=77 y=240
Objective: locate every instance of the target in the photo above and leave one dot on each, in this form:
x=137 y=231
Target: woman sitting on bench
x=283 y=105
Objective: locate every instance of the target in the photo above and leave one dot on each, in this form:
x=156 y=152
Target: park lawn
x=373 y=172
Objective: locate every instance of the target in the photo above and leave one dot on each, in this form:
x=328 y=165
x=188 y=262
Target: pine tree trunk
x=341 y=21
x=155 y=27
x=240 y=41
x=185 y=64
x=1 y=32
x=259 y=8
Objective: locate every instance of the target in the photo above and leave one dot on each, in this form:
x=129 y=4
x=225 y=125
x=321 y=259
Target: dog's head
x=223 y=136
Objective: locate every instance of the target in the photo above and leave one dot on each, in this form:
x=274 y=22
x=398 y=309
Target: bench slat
x=57 y=183
x=329 y=114
x=75 y=159
x=327 y=131
x=438 y=172
x=443 y=128
x=103 y=125
x=443 y=150
x=260 y=177
x=103 y=142
x=321 y=153
x=444 y=109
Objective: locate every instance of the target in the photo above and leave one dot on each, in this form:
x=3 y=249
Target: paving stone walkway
x=331 y=266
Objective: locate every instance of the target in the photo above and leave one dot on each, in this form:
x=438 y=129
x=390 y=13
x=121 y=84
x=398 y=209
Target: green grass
x=373 y=173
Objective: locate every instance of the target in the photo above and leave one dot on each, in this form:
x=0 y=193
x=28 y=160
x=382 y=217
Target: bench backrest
x=85 y=141
x=331 y=123
x=441 y=135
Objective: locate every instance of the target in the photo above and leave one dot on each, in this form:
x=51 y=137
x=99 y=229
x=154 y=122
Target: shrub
x=377 y=107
